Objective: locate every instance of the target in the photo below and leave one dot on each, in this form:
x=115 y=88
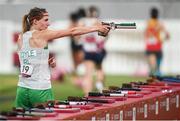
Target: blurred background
x=125 y=60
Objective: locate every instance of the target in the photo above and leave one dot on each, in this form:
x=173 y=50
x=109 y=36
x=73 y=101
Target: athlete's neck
x=33 y=28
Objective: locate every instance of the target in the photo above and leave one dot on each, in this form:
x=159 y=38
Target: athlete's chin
x=44 y=28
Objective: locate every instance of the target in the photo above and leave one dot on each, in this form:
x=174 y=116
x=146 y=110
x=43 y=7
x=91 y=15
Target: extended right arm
x=54 y=34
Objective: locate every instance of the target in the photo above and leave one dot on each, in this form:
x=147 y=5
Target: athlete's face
x=43 y=23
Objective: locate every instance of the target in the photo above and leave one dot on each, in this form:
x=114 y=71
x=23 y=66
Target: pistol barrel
x=125 y=26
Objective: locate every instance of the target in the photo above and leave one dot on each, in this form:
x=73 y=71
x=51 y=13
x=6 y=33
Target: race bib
x=26 y=70
x=152 y=40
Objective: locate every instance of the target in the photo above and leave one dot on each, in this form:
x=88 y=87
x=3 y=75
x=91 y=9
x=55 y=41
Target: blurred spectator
x=76 y=46
x=155 y=35
x=94 y=53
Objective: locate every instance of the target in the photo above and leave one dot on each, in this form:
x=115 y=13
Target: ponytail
x=35 y=13
x=25 y=24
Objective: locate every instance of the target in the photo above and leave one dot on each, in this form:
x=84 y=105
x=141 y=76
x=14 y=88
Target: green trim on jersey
x=27 y=98
x=46 y=47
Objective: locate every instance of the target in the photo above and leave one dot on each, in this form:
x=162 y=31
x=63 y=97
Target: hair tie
x=28 y=19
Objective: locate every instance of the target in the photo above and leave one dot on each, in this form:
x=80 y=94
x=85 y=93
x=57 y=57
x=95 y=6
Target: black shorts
x=96 y=57
x=75 y=47
x=158 y=54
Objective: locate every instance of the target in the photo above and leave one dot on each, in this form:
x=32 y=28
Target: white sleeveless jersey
x=34 y=70
x=92 y=42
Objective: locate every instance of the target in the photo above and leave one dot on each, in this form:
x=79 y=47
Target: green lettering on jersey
x=29 y=53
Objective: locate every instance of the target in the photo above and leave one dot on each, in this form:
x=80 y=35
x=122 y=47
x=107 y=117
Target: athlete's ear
x=35 y=21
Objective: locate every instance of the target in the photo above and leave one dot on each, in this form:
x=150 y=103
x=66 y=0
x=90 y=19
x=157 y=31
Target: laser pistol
x=118 y=26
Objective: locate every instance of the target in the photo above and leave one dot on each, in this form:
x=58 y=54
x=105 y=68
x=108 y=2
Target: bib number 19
x=26 y=69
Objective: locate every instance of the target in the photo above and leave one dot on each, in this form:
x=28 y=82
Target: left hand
x=52 y=62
